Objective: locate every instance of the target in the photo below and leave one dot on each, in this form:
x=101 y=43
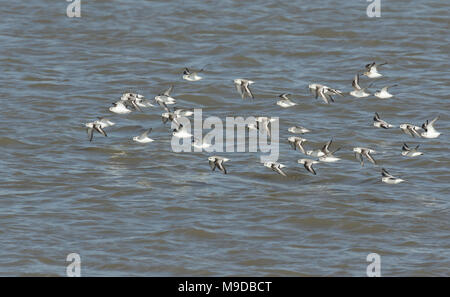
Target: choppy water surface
x=142 y=210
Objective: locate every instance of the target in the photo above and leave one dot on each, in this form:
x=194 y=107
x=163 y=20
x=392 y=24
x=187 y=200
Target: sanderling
x=383 y=93
x=378 y=122
x=216 y=161
x=135 y=100
x=328 y=156
x=253 y=126
x=264 y=122
x=165 y=98
x=97 y=126
x=169 y=116
x=181 y=132
x=410 y=152
x=143 y=138
x=428 y=127
x=410 y=130
x=308 y=163
x=285 y=102
x=362 y=151
x=326 y=92
x=320 y=152
x=295 y=142
x=388 y=178
x=275 y=166
x=119 y=108
x=372 y=71
x=298 y=130
x=133 y=97
x=243 y=87
x=191 y=76
x=358 y=92
x=197 y=143
x=314 y=89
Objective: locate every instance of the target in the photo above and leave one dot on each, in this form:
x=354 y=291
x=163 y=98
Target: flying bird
x=358 y=92
x=410 y=152
x=243 y=87
x=285 y=102
x=191 y=76
x=143 y=138
x=298 y=130
x=428 y=127
x=410 y=130
x=388 y=178
x=94 y=126
x=217 y=162
x=297 y=142
x=308 y=164
x=275 y=166
x=372 y=70
x=366 y=152
x=378 y=122
x=383 y=93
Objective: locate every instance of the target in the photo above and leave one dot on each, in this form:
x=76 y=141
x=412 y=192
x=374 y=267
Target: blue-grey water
x=142 y=210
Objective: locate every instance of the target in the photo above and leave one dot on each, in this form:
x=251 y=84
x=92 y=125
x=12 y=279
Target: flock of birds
x=130 y=102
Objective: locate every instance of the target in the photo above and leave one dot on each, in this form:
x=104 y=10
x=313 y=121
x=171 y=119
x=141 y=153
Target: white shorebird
x=285 y=102
x=264 y=123
x=314 y=89
x=358 y=92
x=136 y=100
x=328 y=156
x=410 y=152
x=383 y=93
x=143 y=138
x=170 y=116
x=131 y=96
x=410 y=130
x=321 y=152
x=296 y=142
x=298 y=130
x=378 y=122
x=389 y=179
x=253 y=126
x=181 y=132
x=366 y=152
x=119 y=107
x=275 y=166
x=324 y=92
x=191 y=76
x=308 y=164
x=164 y=98
x=216 y=161
x=429 y=131
x=243 y=87
x=200 y=144
x=97 y=126
x=372 y=70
